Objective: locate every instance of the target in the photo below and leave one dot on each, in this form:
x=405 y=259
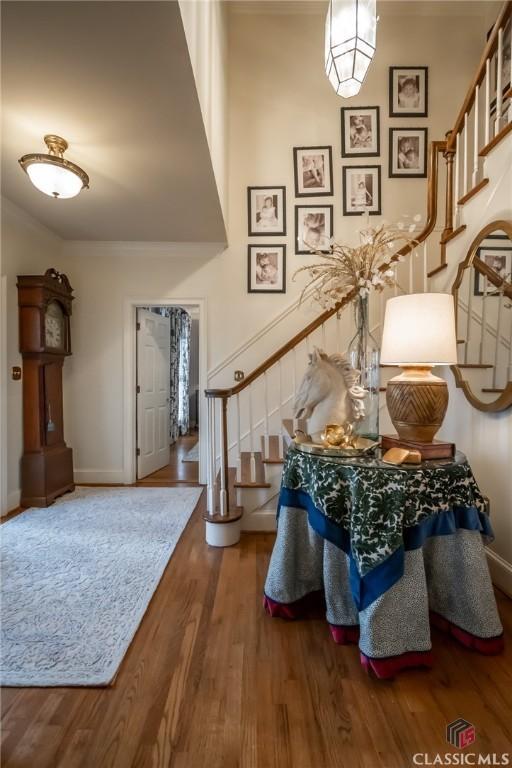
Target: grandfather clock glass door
x=47 y=463
x=53 y=421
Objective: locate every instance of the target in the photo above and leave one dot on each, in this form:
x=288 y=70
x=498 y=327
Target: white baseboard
x=261 y=520
x=100 y=476
x=13 y=502
x=501 y=572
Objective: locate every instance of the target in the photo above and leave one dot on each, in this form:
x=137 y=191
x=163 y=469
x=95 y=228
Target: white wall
x=486 y=438
x=279 y=98
x=205 y=25
x=28 y=248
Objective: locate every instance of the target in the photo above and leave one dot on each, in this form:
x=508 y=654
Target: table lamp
x=419 y=333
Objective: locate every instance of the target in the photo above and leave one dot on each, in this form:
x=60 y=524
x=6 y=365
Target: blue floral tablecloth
x=375 y=511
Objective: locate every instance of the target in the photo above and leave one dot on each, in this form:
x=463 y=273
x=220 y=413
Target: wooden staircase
x=250 y=423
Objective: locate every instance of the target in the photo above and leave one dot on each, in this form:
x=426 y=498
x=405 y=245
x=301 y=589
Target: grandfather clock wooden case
x=44 y=310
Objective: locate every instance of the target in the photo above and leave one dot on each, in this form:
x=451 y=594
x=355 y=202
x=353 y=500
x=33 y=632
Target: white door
x=153 y=384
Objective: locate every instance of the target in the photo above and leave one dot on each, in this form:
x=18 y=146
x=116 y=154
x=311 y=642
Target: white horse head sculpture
x=329 y=393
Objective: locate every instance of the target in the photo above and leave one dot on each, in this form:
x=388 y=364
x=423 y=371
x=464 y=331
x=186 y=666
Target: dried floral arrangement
x=357 y=270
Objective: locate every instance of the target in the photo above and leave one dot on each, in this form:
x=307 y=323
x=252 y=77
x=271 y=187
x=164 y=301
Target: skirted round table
x=390 y=551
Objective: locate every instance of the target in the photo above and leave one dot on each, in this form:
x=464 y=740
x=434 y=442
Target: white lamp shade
x=419 y=329
x=54 y=180
x=350 y=38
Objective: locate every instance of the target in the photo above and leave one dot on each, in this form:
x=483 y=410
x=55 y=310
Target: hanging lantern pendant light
x=51 y=173
x=350 y=39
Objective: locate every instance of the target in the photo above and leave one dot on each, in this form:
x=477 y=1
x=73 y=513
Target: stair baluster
x=468 y=321
x=224 y=492
x=499 y=84
x=455 y=198
x=465 y=157
x=487 y=123
x=476 y=148
x=497 y=347
x=483 y=327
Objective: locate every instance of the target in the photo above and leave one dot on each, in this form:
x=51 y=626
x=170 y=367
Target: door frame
x=4 y=495
x=130 y=379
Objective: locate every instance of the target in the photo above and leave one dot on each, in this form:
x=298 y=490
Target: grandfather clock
x=44 y=310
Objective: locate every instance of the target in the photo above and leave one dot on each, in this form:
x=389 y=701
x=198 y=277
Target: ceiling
x=384 y=7
x=115 y=80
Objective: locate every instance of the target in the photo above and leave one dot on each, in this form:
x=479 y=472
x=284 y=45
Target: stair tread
x=248 y=484
x=492 y=389
x=496 y=140
x=474 y=365
x=235 y=513
x=472 y=192
x=452 y=235
x=436 y=270
x=273 y=461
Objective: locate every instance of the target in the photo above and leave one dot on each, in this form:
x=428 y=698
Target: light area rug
x=77 y=578
x=193 y=454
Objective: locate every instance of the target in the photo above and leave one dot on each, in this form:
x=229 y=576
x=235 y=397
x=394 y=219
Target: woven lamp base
x=417 y=402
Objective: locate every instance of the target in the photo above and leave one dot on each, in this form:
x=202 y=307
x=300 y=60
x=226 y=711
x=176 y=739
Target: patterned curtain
x=180 y=323
x=184 y=373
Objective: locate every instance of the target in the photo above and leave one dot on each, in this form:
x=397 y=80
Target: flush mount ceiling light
x=51 y=173
x=350 y=37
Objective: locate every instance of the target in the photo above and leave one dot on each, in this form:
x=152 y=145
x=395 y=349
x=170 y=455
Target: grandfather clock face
x=54 y=326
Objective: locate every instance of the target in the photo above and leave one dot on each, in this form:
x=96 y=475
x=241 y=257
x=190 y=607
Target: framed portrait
x=266 y=210
x=408 y=91
x=498 y=258
x=313 y=171
x=361 y=190
x=360 y=131
x=408 y=152
x=266 y=269
x=313 y=228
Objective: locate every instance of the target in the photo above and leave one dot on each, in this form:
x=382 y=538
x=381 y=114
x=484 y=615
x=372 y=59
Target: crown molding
x=131 y=248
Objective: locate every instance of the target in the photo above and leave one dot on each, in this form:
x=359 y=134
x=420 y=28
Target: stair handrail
x=435 y=148
x=489 y=50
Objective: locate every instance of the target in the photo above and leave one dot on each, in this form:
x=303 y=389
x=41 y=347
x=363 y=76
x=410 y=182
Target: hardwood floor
x=177 y=471
x=211 y=680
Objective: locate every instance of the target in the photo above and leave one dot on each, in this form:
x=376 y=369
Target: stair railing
x=483 y=120
x=218 y=400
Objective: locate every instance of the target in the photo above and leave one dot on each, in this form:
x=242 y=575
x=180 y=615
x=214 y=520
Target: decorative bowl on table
x=336 y=440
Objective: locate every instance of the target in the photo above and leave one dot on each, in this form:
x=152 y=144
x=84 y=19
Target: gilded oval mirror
x=482 y=293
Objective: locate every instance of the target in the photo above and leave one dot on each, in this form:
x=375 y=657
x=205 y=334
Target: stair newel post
x=224 y=492
x=211 y=457
x=449 y=203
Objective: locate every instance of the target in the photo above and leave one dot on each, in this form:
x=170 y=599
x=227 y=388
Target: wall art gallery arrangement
x=361 y=182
